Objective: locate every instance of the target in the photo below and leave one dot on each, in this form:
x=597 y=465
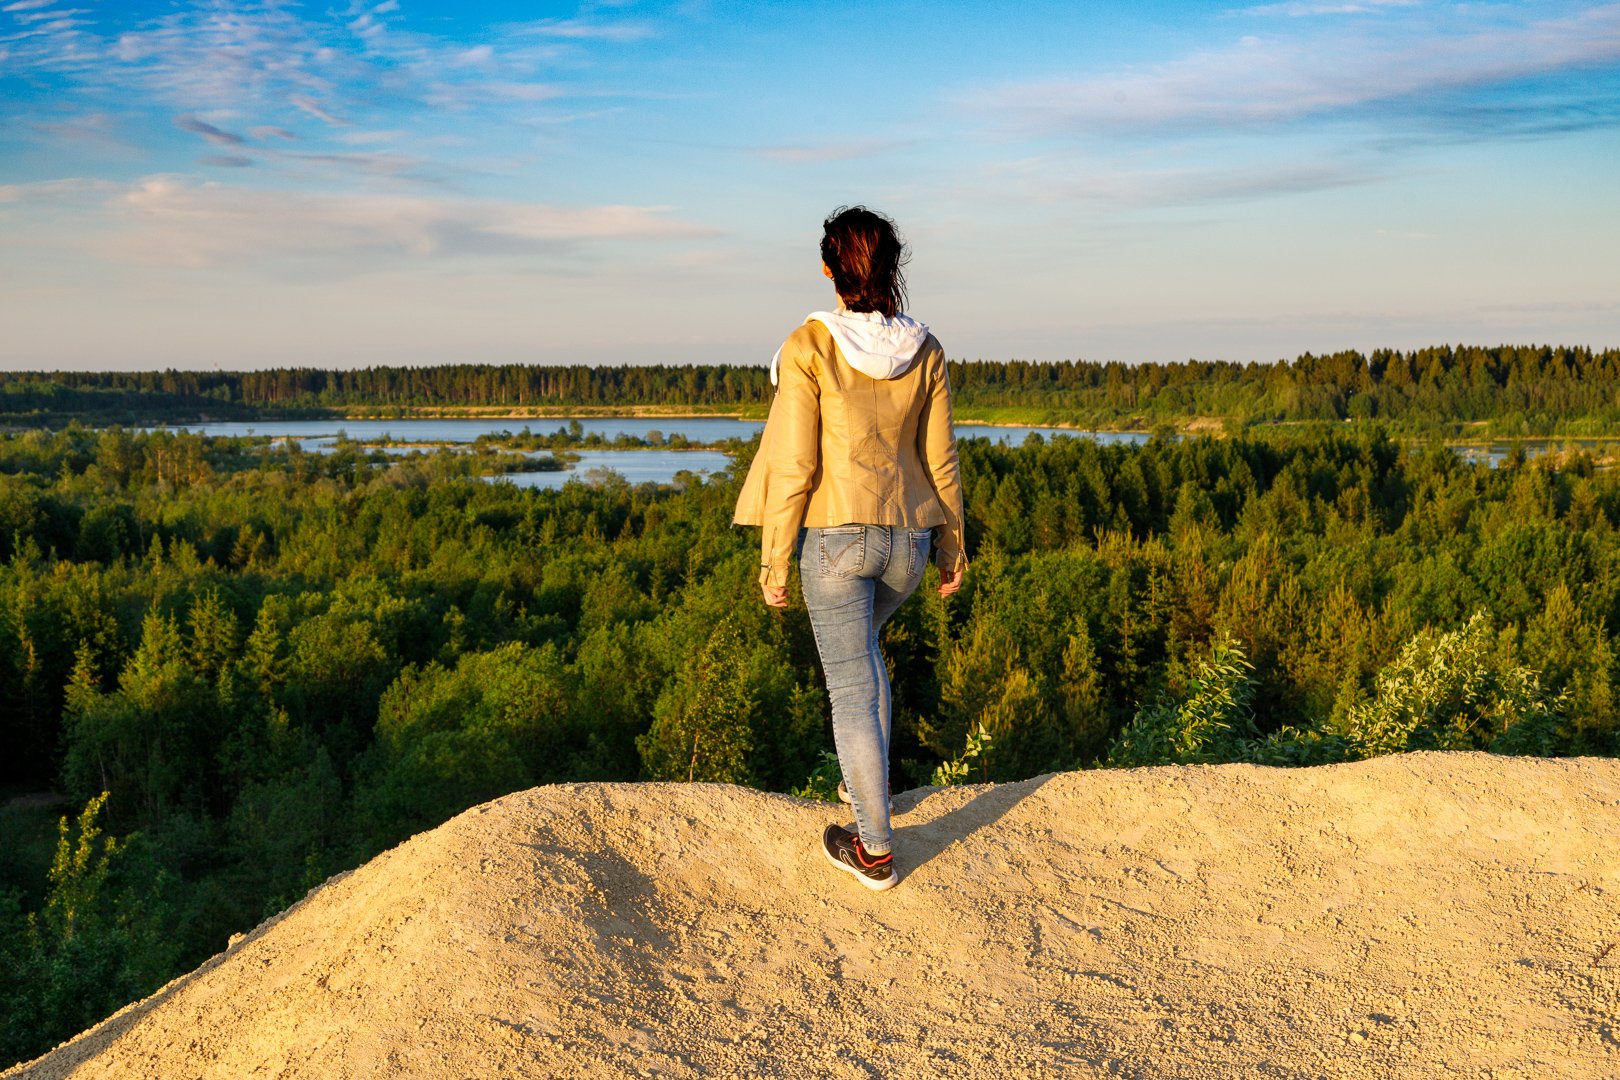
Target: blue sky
x=243 y=185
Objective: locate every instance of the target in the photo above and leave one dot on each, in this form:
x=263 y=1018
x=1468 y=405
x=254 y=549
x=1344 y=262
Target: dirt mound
x=1430 y=914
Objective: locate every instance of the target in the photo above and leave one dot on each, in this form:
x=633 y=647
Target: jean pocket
x=917 y=559
x=843 y=550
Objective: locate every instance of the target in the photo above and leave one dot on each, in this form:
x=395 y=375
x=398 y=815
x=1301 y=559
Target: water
x=1496 y=453
x=636 y=466
x=660 y=465
x=657 y=466
x=696 y=428
x=1015 y=436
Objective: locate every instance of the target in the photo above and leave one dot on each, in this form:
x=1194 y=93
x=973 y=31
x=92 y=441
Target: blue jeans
x=854 y=577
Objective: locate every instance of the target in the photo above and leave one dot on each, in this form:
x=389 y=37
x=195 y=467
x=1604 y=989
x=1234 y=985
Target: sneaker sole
x=875 y=886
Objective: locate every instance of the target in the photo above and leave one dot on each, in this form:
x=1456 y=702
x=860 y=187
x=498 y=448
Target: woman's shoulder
x=809 y=347
x=811 y=335
x=932 y=353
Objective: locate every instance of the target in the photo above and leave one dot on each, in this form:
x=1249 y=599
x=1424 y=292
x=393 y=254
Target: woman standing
x=857 y=475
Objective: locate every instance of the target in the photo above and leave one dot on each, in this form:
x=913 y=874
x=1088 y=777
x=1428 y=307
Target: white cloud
x=1177 y=186
x=377 y=164
x=262 y=56
x=215 y=135
x=1260 y=80
x=1298 y=8
x=53 y=190
x=53 y=20
x=583 y=29
x=306 y=104
x=460 y=95
x=369 y=138
x=1053 y=178
x=96 y=130
x=845 y=151
x=167 y=220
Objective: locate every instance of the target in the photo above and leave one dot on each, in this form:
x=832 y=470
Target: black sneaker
x=843 y=849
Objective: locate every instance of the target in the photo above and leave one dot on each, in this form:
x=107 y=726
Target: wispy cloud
x=368 y=164
x=172 y=221
x=461 y=94
x=369 y=138
x=274 y=63
x=223 y=55
x=67 y=188
x=208 y=131
x=54 y=19
x=1300 y=8
x=845 y=151
x=1262 y=80
x=309 y=106
x=1045 y=179
x=580 y=29
x=93 y=129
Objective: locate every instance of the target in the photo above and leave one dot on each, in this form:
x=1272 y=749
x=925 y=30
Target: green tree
x=89 y=949
x=702 y=727
x=1209 y=722
x=1452 y=690
x=450 y=738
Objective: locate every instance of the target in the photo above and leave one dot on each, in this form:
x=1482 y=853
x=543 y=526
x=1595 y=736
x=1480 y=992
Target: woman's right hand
x=775 y=595
x=949 y=581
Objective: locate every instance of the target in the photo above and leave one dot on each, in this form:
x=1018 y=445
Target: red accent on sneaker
x=860 y=853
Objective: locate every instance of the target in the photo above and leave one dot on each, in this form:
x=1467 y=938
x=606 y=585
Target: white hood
x=874 y=344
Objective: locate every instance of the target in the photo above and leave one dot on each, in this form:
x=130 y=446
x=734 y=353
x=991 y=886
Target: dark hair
x=863 y=250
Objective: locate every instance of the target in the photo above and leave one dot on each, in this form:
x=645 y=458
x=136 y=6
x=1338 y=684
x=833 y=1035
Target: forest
x=231 y=670
x=1504 y=391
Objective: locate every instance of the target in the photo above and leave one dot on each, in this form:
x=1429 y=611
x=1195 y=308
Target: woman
x=856 y=474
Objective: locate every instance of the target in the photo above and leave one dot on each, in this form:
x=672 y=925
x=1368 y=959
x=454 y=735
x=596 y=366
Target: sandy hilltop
x=1422 y=915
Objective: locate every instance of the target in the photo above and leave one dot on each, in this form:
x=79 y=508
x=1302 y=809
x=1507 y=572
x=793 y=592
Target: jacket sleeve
x=936 y=435
x=795 y=454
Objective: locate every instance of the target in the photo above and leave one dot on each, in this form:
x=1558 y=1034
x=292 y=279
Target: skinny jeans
x=854 y=577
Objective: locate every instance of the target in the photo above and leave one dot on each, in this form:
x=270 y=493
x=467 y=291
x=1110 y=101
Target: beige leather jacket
x=843 y=448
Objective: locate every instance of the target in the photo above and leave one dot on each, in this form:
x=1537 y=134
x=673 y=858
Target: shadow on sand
x=917 y=844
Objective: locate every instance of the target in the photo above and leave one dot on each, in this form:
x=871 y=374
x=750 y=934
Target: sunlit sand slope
x=1425 y=915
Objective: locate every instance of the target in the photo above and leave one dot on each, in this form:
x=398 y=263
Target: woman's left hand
x=775 y=595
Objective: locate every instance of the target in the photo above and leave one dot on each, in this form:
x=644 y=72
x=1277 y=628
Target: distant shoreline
x=676 y=412
x=971 y=417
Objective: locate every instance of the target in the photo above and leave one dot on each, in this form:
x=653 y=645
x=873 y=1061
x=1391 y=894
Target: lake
x=695 y=428
x=655 y=465
x=636 y=466
x=660 y=465
x=1496 y=453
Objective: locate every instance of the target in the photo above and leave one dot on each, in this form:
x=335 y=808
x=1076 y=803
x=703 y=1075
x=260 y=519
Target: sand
x=1421 y=915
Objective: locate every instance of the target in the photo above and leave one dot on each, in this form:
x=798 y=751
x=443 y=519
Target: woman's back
x=875 y=450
